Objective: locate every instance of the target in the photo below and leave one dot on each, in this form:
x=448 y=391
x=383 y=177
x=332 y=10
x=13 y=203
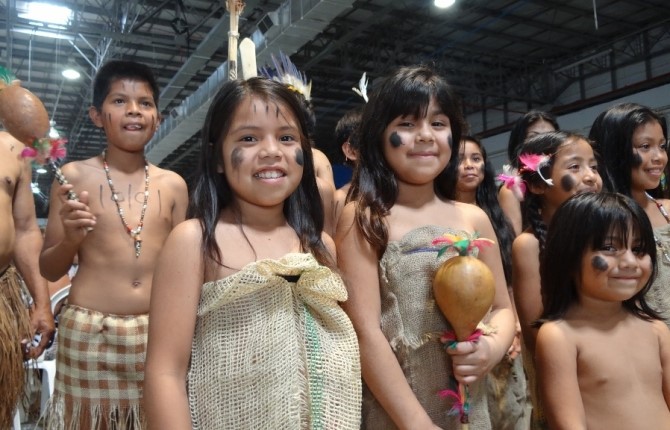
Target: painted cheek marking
x=567 y=183
x=599 y=263
x=395 y=139
x=109 y=118
x=236 y=158
x=637 y=160
x=299 y=157
x=450 y=141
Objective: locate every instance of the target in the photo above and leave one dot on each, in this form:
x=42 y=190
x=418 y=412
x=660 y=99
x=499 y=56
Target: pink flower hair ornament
x=535 y=163
x=512 y=181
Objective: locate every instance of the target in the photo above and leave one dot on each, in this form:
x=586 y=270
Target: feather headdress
x=535 y=163
x=288 y=74
x=362 y=89
x=512 y=181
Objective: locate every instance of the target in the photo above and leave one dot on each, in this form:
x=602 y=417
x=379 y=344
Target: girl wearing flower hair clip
x=553 y=167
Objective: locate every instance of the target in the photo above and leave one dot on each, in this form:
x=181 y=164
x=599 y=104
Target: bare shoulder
x=80 y=170
x=329 y=243
x=188 y=231
x=661 y=330
x=473 y=212
x=526 y=242
x=555 y=334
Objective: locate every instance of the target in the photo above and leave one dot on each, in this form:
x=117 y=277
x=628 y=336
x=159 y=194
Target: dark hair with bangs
x=211 y=192
x=117 y=70
x=582 y=223
x=406 y=92
x=612 y=131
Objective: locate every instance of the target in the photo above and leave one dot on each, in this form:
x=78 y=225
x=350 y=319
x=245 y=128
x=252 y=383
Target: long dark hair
x=486 y=197
x=408 y=91
x=212 y=193
x=542 y=144
x=612 y=131
x=585 y=222
x=519 y=132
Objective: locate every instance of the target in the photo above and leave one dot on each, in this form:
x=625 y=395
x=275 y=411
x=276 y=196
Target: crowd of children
x=231 y=304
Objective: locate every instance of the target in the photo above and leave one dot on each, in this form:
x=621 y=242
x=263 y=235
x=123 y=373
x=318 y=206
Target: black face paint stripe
x=236 y=158
x=599 y=263
x=450 y=141
x=395 y=139
x=567 y=183
x=637 y=160
x=299 y=157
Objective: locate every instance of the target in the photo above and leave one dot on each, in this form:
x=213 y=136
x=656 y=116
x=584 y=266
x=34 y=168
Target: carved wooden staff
x=235 y=8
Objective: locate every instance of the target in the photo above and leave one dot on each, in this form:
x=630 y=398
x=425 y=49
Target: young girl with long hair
x=246 y=328
x=632 y=142
x=603 y=355
x=399 y=205
x=553 y=167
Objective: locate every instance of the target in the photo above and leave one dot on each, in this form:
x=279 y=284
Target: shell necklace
x=133 y=232
x=667 y=219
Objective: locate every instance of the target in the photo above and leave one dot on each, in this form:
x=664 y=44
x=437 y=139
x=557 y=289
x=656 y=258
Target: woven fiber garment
x=14 y=326
x=99 y=371
x=413 y=323
x=274 y=350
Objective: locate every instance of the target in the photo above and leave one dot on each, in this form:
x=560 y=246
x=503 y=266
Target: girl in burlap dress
x=384 y=247
x=246 y=328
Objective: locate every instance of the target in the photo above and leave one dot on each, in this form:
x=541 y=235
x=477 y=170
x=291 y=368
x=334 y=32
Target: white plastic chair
x=48 y=367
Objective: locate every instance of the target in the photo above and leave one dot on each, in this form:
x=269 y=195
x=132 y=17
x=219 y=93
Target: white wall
x=580 y=121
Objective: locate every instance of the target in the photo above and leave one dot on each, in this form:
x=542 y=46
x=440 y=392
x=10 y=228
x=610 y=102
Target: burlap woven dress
x=413 y=323
x=273 y=349
x=658 y=296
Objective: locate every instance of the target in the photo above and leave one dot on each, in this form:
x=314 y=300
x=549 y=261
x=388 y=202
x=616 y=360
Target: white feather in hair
x=362 y=89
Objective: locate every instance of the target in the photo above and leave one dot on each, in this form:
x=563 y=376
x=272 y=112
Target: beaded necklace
x=665 y=214
x=133 y=232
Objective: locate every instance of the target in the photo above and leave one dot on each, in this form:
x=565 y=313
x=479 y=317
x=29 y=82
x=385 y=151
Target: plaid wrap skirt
x=99 y=371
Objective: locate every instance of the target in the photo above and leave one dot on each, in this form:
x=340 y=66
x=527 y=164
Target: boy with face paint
x=126 y=209
x=602 y=354
x=632 y=142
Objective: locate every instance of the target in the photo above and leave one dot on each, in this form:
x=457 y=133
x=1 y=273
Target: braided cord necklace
x=665 y=214
x=133 y=232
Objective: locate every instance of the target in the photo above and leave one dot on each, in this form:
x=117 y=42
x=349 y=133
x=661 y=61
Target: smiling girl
x=246 y=329
x=384 y=236
x=603 y=355
x=632 y=142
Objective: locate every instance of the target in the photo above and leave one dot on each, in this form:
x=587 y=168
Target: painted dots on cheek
x=567 y=183
x=395 y=140
x=599 y=263
x=637 y=160
x=236 y=158
x=299 y=157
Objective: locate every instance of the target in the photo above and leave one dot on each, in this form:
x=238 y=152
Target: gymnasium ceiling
x=503 y=56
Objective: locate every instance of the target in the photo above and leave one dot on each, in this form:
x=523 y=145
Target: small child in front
x=602 y=354
x=125 y=211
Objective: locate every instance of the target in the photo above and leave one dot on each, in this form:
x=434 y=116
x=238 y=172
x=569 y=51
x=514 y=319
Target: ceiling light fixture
x=41 y=170
x=47 y=13
x=71 y=74
x=443 y=4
